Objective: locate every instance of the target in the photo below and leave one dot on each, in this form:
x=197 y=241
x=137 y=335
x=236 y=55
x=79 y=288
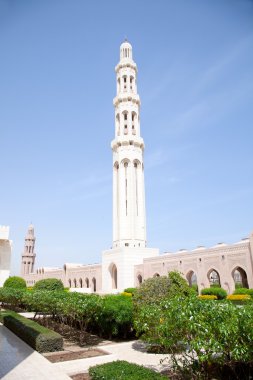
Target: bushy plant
x=15 y=282
x=122 y=370
x=244 y=291
x=116 y=316
x=215 y=291
x=156 y=289
x=130 y=290
x=12 y=298
x=49 y=284
x=208 y=334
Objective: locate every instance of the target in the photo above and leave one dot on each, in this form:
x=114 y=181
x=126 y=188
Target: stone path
x=18 y=361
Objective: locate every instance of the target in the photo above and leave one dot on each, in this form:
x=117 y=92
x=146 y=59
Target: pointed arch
x=81 y=282
x=191 y=277
x=213 y=277
x=240 y=277
x=87 y=282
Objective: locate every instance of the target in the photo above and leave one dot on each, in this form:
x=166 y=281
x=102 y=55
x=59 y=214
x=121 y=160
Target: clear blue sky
x=57 y=82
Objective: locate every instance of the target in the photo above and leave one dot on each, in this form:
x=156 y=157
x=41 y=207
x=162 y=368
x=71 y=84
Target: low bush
x=115 y=317
x=130 y=290
x=12 y=298
x=215 y=291
x=122 y=370
x=207 y=297
x=154 y=290
x=37 y=336
x=244 y=291
x=15 y=282
x=49 y=284
x=216 y=333
x=126 y=294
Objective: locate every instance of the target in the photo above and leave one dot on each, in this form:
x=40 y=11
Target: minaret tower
x=129 y=215
x=28 y=256
x=129 y=220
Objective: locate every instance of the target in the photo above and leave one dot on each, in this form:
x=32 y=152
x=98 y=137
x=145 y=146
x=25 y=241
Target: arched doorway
x=213 y=278
x=94 y=285
x=87 y=283
x=75 y=283
x=240 y=278
x=69 y=283
x=80 y=282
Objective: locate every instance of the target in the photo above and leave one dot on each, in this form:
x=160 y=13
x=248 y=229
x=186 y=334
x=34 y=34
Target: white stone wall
x=5 y=254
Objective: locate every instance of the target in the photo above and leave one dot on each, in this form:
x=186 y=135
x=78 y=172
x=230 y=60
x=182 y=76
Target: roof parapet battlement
x=4 y=232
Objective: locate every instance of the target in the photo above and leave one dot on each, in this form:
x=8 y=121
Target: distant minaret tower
x=28 y=256
x=129 y=219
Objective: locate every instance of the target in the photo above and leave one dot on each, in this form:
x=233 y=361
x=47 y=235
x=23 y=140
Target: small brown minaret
x=28 y=256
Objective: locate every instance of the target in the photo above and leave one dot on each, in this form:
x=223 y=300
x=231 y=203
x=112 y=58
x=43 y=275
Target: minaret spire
x=28 y=256
x=129 y=220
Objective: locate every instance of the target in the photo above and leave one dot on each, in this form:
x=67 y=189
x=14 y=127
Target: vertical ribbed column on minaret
x=28 y=256
x=129 y=221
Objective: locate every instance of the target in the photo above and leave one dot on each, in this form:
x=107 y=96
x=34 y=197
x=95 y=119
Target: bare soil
x=62 y=356
x=81 y=376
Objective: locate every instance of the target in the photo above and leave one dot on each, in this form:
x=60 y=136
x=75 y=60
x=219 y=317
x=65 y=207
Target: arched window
x=81 y=283
x=124 y=83
x=214 y=278
x=156 y=275
x=139 y=279
x=75 y=282
x=87 y=282
x=94 y=285
x=240 y=278
x=118 y=124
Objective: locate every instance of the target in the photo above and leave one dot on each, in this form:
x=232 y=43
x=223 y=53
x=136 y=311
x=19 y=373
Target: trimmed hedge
x=15 y=282
x=122 y=370
x=219 y=292
x=49 y=284
x=244 y=291
x=37 y=336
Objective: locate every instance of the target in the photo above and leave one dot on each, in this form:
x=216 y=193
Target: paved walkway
x=133 y=352
x=18 y=361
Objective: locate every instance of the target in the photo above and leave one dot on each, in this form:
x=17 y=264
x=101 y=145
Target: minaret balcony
x=126 y=63
x=127 y=140
x=127 y=96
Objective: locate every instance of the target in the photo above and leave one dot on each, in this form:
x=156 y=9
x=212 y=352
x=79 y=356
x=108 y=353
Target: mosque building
x=130 y=261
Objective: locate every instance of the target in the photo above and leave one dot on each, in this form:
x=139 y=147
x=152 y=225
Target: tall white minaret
x=129 y=219
x=28 y=256
x=129 y=216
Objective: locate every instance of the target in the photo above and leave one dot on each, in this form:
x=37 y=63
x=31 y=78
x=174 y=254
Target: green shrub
x=195 y=288
x=122 y=370
x=156 y=289
x=12 y=298
x=37 y=336
x=244 y=291
x=215 y=291
x=15 y=282
x=49 y=284
x=130 y=290
x=216 y=333
x=115 y=317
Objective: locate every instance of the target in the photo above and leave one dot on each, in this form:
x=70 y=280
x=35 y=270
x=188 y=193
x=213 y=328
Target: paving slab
x=18 y=361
